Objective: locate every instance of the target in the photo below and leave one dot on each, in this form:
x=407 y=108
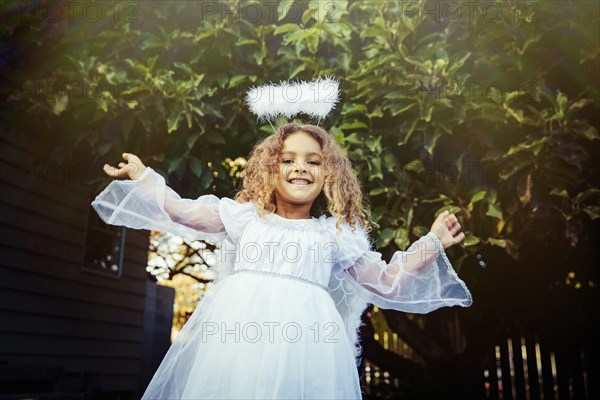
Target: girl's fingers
x=113 y=171
x=450 y=218
x=455 y=228
x=452 y=223
x=452 y=227
x=109 y=169
x=132 y=160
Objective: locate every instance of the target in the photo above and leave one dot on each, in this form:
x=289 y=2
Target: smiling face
x=299 y=179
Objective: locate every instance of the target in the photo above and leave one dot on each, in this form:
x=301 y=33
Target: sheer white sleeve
x=418 y=280
x=148 y=203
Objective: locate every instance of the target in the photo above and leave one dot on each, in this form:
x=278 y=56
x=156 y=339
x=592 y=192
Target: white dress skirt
x=282 y=320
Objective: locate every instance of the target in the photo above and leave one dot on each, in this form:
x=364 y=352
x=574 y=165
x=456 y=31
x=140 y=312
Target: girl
x=296 y=270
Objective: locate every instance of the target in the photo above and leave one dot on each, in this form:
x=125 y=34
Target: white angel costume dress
x=282 y=320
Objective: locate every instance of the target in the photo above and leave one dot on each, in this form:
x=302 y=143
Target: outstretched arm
x=146 y=202
x=372 y=272
x=418 y=280
x=443 y=234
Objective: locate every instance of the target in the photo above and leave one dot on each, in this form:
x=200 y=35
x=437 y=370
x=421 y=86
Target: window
x=104 y=247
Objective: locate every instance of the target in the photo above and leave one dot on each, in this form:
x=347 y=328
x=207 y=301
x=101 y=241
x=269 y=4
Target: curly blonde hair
x=342 y=192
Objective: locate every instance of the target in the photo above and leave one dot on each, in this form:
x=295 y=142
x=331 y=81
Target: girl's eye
x=310 y=162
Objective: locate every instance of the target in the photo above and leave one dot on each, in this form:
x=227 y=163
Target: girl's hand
x=133 y=169
x=446 y=227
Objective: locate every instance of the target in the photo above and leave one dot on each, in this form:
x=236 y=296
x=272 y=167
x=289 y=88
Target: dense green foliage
x=483 y=114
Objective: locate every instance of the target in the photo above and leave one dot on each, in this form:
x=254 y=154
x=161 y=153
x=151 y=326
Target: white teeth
x=299 y=182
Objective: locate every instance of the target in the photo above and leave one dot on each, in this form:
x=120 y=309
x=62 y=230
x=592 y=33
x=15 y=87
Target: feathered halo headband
x=315 y=98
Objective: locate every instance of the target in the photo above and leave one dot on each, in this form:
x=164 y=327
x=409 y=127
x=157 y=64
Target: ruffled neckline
x=304 y=224
x=313 y=223
x=290 y=219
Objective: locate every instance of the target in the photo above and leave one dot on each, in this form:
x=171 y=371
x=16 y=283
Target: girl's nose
x=301 y=167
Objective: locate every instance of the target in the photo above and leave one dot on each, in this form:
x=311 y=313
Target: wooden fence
x=523 y=367
x=527 y=367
